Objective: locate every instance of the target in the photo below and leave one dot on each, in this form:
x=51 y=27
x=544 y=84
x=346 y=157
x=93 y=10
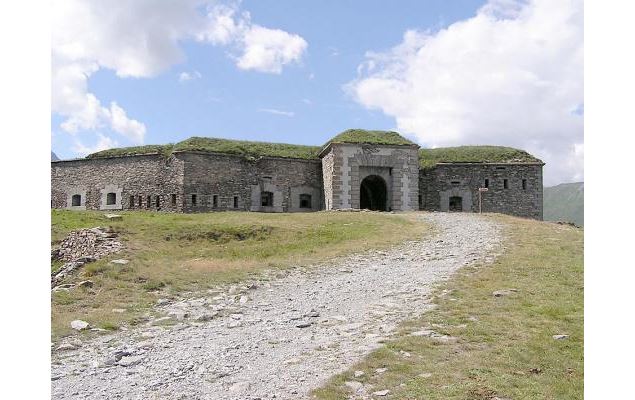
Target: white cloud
x=511 y=75
x=103 y=143
x=277 y=112
x=188 y=76
x=267 y=50
x=141 y=39
x=259 y=48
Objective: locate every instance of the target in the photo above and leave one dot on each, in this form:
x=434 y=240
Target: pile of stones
x=83 y=246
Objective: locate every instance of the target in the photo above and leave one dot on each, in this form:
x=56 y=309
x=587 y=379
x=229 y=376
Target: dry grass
x=505 y=347
x=174 y=253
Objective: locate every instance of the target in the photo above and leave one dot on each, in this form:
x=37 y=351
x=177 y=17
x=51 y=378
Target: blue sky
x=363 y=64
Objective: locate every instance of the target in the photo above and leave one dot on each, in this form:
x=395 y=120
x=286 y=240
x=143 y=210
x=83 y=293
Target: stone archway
x=373 y=193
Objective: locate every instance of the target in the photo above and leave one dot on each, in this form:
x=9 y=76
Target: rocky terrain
x=80 y=247
x=279 y=338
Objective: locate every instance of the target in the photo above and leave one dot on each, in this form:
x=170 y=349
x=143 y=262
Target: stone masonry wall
x=397 y=165
x=138 y=182
x=438 y=184
x=216 y=179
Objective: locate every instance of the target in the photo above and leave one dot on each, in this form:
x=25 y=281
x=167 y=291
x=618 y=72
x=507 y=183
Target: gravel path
x=276 y=339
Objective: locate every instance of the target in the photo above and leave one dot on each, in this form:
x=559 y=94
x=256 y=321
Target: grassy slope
x=500 y=340
x=204 y=250
x=565 y=202
x=493 y=154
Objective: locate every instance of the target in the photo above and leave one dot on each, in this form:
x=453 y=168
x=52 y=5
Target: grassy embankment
x=172 y=253
x=505 y=347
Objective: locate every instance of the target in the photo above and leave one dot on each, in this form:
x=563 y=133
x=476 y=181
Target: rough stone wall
x=438 y=184
x=327 y=175
x=141 y=177
x=222 y=177
x=397 y=165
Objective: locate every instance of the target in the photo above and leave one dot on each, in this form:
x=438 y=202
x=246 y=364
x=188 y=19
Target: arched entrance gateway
x=373 y=193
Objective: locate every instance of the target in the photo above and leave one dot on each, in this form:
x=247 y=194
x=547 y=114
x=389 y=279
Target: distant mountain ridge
x=54 y=157
x=564 y=202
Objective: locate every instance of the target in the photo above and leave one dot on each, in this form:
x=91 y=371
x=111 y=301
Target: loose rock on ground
x=290 y=334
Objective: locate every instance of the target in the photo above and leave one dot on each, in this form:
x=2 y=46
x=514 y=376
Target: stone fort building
x=357 y=169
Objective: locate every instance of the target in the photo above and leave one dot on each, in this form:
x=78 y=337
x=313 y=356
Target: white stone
x=79 y=325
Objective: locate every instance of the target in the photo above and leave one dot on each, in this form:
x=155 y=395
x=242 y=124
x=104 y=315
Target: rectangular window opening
x=455 y=183
x=131 y=201
x=266 y=199
x=173 y=199
x=235 y=201
x=486 y=183
x=158 y=201
x=76 y=200
x=148 y=201
x=305 y=201
x=524 y=184
x=505 y=184
x=111 y=198
x=215 y=201
x=193 y=199
x=140 y=200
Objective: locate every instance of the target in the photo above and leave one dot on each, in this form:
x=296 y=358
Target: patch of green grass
x=218 y=145
x=370 y=137
x=173 y=253
x=428 y=158
x=505 y=346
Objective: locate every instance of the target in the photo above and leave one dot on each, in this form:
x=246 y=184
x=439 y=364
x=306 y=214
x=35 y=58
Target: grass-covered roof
x=370 y=137
x=427 y=157
x=479 y=154
x=215 y=145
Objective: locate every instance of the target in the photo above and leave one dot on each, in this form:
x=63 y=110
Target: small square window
x=76 y=200
x=305 y=201
x=266 y=199
x=111 y=198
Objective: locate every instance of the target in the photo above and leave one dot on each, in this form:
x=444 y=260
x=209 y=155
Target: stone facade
x=382 y=177
x=514 y=189
x=117 y=183
x=187 y=182
x=346 y=166
x=229 y=182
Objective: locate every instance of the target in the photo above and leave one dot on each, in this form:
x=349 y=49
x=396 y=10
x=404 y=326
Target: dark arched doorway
x=372 y=194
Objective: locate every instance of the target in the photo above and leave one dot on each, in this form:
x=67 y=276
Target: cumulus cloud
x=267 y=50
x=141 y=39
x=103 y=143
x=511 y=75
